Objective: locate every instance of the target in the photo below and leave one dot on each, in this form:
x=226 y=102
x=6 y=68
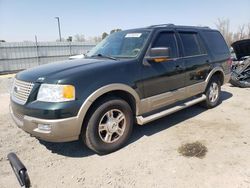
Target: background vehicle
x=137 y=75
x=241 y=64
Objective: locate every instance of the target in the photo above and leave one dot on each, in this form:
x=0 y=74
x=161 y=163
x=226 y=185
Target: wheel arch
x=217 y=71
x=119 y=90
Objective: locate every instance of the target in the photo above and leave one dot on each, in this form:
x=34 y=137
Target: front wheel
x=109 y=127
x=212 y=93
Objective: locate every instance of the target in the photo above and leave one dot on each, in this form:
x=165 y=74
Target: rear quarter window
x=215 y=42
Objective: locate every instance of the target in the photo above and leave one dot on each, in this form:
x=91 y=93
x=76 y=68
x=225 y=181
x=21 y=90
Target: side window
x=216 y=42
x=167 y=39
x=192 y=44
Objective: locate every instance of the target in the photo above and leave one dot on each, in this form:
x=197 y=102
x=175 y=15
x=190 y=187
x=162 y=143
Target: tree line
x=242 y=32
x=223 y=25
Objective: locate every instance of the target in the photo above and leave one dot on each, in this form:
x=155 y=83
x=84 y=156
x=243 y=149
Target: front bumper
x=61 y=130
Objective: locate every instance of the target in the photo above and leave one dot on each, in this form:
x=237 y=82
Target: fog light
x=44 y=127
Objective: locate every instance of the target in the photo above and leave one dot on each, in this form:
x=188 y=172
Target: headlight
x=56 y=93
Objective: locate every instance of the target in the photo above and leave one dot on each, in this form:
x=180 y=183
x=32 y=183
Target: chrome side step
x=143 y=120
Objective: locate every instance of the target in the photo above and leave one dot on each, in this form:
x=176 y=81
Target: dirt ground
x=150 y=159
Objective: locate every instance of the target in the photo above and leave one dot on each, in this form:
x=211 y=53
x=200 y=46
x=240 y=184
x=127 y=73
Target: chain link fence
x=16 y=56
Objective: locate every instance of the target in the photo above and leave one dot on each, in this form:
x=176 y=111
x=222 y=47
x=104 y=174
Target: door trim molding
x=143 y=120
x=168 y=98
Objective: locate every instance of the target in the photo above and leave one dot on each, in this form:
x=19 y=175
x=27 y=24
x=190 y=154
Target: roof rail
x=180 y=26
x=205 y=27
x=160 y=25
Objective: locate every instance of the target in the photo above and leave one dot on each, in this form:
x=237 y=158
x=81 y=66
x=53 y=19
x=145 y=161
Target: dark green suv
x=132 y=76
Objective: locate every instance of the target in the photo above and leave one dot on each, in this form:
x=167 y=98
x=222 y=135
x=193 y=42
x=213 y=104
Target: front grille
x=21 y=91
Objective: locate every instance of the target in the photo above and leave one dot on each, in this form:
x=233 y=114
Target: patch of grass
x=195 y=149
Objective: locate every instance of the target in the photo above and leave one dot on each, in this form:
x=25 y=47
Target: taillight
x=229 y=62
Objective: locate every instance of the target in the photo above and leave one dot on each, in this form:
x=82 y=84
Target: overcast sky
x=23 y=19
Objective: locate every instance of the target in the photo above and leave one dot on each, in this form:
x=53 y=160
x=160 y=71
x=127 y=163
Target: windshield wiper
x=105 y=56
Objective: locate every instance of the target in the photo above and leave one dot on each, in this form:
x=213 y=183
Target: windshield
x=123 y=44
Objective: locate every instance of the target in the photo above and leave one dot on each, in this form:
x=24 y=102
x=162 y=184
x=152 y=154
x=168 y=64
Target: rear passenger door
x=196 y=61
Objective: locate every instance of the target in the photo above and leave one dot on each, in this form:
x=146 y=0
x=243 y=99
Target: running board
x=143 y=120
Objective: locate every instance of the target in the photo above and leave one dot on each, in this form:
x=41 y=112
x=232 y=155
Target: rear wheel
x=212 y=93
x=109 y=127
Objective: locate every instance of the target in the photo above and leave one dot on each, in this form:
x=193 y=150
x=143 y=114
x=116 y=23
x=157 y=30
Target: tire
x=212 y=99
x=245 y=83
x=109 y=126
x=234 y=83
x=240 y=83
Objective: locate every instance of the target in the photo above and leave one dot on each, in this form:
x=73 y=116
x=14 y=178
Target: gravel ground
x=150 y=159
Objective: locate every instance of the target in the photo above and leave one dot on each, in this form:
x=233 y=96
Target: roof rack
x=160 y=25
x=204 y=27
x=181 y=26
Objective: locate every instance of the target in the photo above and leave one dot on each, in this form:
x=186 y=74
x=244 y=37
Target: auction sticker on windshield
x=136 y=35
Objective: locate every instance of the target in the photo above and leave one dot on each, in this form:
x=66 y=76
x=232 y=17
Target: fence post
x=70 y=48
x=37 y=52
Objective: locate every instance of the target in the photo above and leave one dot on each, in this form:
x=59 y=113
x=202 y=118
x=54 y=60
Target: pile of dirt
x=195 y=149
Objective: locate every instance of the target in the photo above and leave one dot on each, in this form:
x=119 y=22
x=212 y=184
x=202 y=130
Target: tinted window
x=124 y=44
x=192 y=44
x=215 y=42
x=167 y=40
x=201 y=45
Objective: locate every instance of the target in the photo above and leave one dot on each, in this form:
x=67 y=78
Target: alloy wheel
x=112 y=125
x=213 y=92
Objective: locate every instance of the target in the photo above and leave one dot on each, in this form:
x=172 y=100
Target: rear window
x=215 y=42
x=192 y=44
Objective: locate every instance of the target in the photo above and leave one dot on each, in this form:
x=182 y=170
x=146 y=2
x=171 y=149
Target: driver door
x=163 y=82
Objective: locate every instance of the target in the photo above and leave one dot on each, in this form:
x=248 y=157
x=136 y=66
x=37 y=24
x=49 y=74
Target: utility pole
x=59 y=28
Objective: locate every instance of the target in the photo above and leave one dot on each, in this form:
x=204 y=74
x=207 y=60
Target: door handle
x=179 y=67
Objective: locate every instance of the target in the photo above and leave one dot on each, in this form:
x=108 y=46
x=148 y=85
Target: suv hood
x=241 y=48
x=41 y=73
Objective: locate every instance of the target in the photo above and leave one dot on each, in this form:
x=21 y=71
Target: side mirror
x=19 y=170
x=158 y=55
